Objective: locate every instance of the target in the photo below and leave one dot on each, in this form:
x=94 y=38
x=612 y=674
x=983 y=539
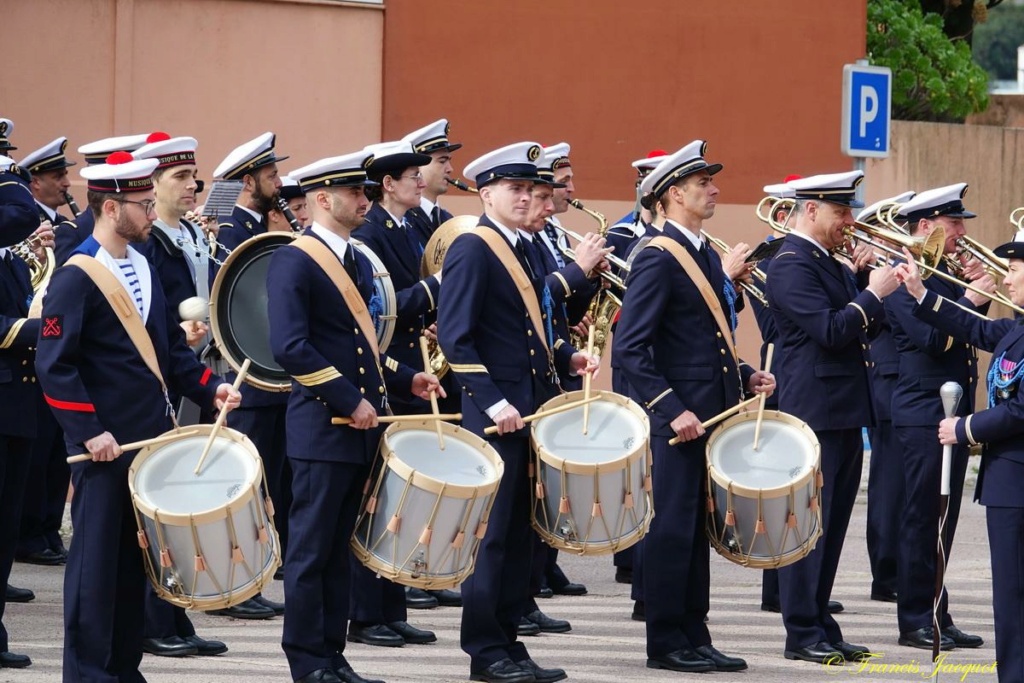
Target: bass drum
x=383 y=303
x=239 y=319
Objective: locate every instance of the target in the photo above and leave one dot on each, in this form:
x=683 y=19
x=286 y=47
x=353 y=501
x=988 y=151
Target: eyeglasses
x=149 y=205
x=415 y=176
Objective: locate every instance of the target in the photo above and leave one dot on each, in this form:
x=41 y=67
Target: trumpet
x=767 y=207
x=1017 y=217
x=612 y=259
x=749 y=287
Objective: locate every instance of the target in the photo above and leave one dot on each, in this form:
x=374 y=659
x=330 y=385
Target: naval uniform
x=928 y=358
x=68 y=234
x=675 y=358
x=19 y=394
x=314 y=337
x=425 y=219
x=824 y=325
x=999 y=428
x=19 y=217
x=496 y=355
x=95 y=381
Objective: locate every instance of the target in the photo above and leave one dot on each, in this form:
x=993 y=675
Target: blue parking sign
x=867 y=110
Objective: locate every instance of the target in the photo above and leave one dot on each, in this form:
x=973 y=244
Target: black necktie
x=705 y=260
x=523 y=257
x=435 y=217
x=350 y=264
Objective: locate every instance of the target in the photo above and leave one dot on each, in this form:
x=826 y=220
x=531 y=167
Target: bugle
x=749 y=287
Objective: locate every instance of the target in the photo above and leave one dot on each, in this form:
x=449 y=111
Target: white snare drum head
x=459 y=463
x=784 y=454
x=165 y=480
x=613 y=431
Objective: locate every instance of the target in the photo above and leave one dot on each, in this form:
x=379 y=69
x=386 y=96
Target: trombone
x=749 y=287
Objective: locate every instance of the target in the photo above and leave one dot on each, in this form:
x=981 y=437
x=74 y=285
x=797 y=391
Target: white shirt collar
x=809 y=239
x=695 y=240
x=526 y=235
x=427 y=205
x=336 y=242
x=259 y=218
x=398 y=221
x=510 y=235
x=49 y=212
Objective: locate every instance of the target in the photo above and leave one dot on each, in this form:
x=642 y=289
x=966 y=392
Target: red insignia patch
x=53 y=327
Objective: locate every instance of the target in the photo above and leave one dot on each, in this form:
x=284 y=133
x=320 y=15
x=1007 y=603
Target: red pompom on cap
x=656 y=153
x=158 y=136
x=120 y=158
x=791 y=178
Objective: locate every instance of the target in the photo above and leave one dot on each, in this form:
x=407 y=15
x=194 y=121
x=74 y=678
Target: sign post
x=867 y=113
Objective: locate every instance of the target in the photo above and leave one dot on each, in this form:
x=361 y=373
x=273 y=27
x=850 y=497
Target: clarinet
x=289 y=216
x=70 y=201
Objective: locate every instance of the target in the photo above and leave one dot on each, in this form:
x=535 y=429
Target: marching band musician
x=19 y=217
x=19 y=393
x=824 y=325
x=87 y=364
x=999 y=429
x=886 y=486
x=927 y=359
x=70 y=233
x=378 y=613
x=432 y=140
x=677 y=351
x=324 y=345
x=491 y=331
x=263 y=417
x=292 y=195
x=629 y=229
x=180 y=257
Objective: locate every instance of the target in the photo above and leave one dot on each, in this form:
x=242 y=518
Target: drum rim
x=425 y=482
x=248 y=492
x=811 y=476
x=576 y=467
x=381 y=273
x=404 y=576
x=285 y=239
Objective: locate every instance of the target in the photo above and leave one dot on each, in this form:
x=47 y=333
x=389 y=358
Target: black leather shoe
x=547 y=624
x=416 y=598
x=9 y=660
x=446 y=598
x=19 y=594
x=639 y=611
x=46 y=557
x=374 y=634
x=276 y=607
x=835 y=607
x=503 y=671
x=411 y=634
x=250 y=609
x=168 y=647
x=571 y=589
x=204 y=647
x=819 y=653
x=961 y=639
x=922 y=639
x=347 y=675
x=883 y=595
x=722 y=662
x=545 y=593
x=319 y=676
x=623 y=575
x=681 y=660
x=851 y=652
x=541 y=675
x=770 y=607
x=527 y=628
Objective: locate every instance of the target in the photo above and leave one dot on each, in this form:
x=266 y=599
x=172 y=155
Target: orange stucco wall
x=760 y=81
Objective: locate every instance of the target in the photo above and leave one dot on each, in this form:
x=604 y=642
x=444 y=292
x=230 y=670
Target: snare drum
x=425 y=510
x=764 y=506
x=592 y=492
x=208 y=540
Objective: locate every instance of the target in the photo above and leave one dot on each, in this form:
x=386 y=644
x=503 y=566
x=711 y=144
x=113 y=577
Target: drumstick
x=221 y=417
x=764 y=396
x=433 y=394
x=402 y=418
x=549 y=412
x=135 y=445
x=587 y=379
x=718 y=418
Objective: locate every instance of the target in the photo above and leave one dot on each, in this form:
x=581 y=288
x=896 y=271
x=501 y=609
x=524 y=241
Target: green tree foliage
x=934 y=78
x=959 y=17
x=996 y=41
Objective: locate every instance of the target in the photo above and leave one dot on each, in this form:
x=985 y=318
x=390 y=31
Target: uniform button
x=723 y=351
x=359 y=351
x=362 y=390
x=534 y=370
x=24 y=362
x=33 y=380
x=411 y=345
x=362 y=371
x=718 y=334
x=24 y=379
x=532 y=353
x=412 y=329
x=356 y=330
x=872 y=363
x=867 y=364
x=864 y=346
x=544 y=317
x=529 y=333
x=380 y=389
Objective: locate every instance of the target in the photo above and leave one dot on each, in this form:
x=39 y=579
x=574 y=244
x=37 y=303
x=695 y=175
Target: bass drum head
x=787 y=451
x=437 y=245
x=238 y=311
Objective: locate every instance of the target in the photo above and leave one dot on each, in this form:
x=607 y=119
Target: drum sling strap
x=695 y=274
x=522 y=281
x=127 y=314
x=329 y=263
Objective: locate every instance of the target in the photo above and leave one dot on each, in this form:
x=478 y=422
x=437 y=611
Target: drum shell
x=244 y=520
x=613 y=483
x=385 y=289
x=779 y=544
x=404 y=553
